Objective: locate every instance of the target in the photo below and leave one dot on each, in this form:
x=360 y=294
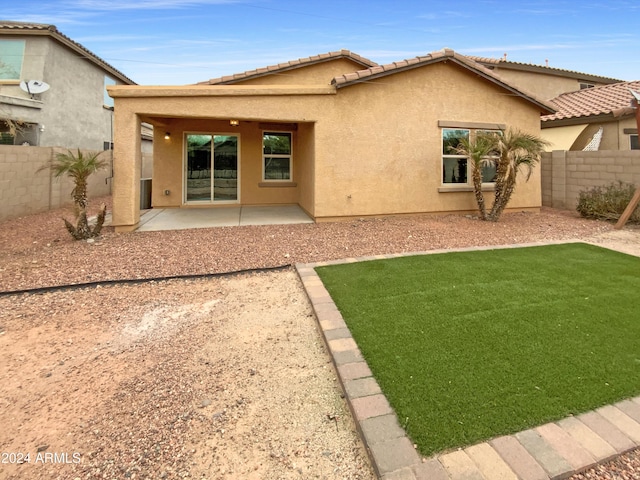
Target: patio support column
x=127 y=163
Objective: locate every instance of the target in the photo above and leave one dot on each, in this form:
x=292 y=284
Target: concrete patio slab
x=232 y=216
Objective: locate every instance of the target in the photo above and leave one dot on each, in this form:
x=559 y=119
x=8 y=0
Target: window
x=456 y=169
x=108 y=101
x=276 y=158
x=11 y=56
x=633 y=142
x=586 y=85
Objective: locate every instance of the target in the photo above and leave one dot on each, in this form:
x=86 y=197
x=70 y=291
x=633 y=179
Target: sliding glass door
x=211 y=168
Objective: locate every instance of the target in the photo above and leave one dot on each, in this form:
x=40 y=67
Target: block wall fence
x=565 y=174
x=25 y=190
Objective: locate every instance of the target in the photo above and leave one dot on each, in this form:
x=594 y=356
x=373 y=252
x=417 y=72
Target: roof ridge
x=291 y=64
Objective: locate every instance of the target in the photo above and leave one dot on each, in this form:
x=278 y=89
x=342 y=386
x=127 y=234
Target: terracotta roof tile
x=381 y=70
x=605 y=99
x=26 y=28
x=282 y=67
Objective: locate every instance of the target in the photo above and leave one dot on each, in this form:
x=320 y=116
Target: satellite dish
x=33 y=87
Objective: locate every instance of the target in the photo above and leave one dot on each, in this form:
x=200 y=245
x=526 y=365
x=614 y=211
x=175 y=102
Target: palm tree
x=517 y=151
x=79 y=167
x=478 y=152
x=510 y=152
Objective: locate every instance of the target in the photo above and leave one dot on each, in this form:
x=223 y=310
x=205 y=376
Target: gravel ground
x=222 y=377
x=37 y=251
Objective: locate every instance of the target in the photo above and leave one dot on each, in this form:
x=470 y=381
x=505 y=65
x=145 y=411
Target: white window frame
x=472 y=132
x=452 y=156
x=273 y=155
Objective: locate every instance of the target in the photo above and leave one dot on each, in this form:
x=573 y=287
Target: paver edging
x=366 y=401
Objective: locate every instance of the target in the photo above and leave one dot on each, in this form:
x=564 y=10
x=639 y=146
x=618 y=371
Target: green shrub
x=607 y=202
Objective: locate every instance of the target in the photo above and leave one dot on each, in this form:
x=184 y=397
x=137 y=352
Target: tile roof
x=282 y=67
x=488 y=61
x=17 y=28
x=614 y=99
x=434 y=57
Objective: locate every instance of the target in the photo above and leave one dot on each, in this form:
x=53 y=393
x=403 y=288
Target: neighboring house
x=541 y=80
x=75 y=112
x=336 y=134
x=599 y=118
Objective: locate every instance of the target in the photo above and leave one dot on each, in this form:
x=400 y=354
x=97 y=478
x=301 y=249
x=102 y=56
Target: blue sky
x=172 y=42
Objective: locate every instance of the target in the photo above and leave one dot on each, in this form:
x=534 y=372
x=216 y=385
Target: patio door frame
x=185 y=167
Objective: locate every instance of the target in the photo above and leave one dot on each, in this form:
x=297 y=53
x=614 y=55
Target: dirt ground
x=217 y=378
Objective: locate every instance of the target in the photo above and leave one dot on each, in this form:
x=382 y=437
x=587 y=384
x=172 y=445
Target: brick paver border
x=553 y=451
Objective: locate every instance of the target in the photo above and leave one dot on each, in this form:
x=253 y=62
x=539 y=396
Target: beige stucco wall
x=382 y=153
x=367 y=149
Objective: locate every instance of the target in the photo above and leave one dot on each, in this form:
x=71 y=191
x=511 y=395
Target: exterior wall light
x=234 y=123
x=167 y=135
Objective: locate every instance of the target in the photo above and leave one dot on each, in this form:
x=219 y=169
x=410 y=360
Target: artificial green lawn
x=471 y=345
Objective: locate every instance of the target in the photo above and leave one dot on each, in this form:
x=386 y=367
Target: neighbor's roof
x=22 y=28
x=283 y=67
x=435 y=57
x=530 y=67
x=614 y=100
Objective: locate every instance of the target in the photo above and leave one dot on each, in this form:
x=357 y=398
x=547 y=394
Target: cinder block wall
x=25 y=190
x=565 y=174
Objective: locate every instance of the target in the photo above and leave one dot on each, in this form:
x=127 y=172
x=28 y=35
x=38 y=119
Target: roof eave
x=563 y=122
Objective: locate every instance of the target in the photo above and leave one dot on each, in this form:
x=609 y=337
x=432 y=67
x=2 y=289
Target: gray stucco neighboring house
x=75 y=111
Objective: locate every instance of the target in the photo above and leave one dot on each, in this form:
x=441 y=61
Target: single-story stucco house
x=336 y=134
